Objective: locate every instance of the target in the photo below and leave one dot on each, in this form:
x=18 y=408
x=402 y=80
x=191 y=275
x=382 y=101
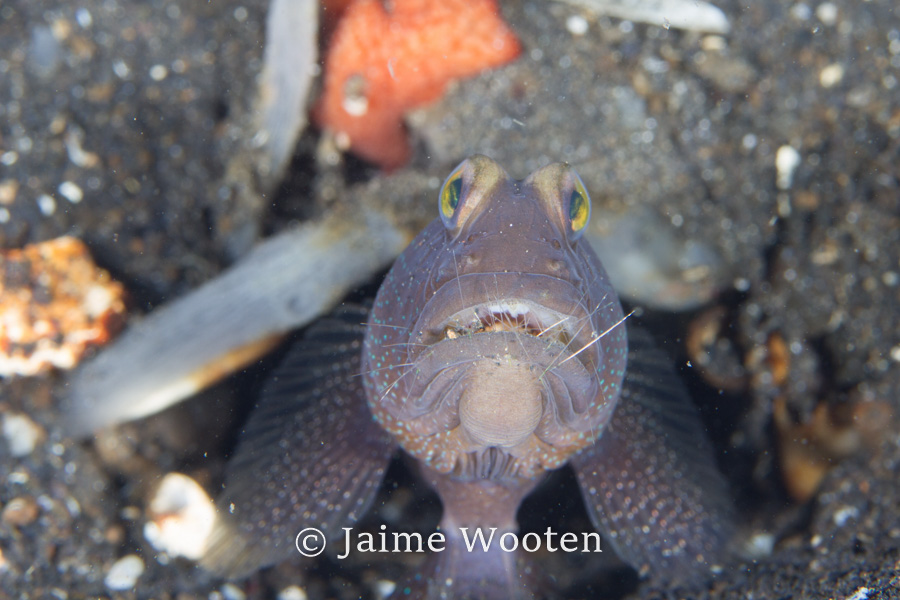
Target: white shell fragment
x=21 y=434
x=831 y=75
x=787 y=159
x=759 y=545
x=179 y=349
x=292 y=592
x=844 y=514
x=692 y=15
x=232 y=592
x=860 y=594
x=124 y=573
x=181 y=517
x=577 y=25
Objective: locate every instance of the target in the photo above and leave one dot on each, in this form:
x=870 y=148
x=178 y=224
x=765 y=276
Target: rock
x=182 y=516
x=20 y=511
x=124 y=573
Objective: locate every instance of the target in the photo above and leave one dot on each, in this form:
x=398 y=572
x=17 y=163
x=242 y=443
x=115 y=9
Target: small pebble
x=713 y=43
x=20 y=511
x=8 y=190
x=124 y=573
x=17 y=477
x=355 y=101
x=74 y=148
x=121 y=69
x=182 y=516
x=844 y=514
x=787 y=159
x=827 y=13
x=760 y=545
x=577 y=25
x=21 y=433
x=46 y=204
x=233 y=592
x=71 y=192
x=860 y=594
x=801 y=11
x=84 y=18
x=158 y=72
x=384 y=588
x=831 y=75
x=292 y=592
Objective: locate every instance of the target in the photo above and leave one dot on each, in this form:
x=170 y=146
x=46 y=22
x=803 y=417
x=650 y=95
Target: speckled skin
x=495 y=351
x=515 y=247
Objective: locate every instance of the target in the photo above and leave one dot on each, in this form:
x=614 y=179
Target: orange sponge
x=380 y=64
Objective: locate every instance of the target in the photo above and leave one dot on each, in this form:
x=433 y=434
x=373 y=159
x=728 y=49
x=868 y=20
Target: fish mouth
x=538 y=306
x=512 y=315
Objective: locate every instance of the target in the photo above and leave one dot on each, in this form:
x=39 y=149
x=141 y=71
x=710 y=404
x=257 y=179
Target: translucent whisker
x=598 y=338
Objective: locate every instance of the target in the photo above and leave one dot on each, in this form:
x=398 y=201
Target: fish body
x=495 y=351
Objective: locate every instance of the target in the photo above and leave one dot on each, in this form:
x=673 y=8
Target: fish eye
x=451 y=192
x=579 y=207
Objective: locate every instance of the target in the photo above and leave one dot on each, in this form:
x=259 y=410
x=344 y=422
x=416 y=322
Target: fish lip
x=447 y=361
x=540 y=303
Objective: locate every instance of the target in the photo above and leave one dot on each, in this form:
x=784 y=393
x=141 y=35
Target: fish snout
x=502 y=404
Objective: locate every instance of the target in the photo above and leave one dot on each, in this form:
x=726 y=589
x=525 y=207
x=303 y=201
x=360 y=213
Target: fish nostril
x=555 y=265
x=555 y=244
x=471 y=260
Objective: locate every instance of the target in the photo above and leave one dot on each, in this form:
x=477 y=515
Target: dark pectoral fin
x=310 y=455
x=650 y=483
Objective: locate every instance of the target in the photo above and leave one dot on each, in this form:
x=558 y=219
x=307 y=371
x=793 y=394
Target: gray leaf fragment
x=290 y=64
x=691 y=15
x=283 y=283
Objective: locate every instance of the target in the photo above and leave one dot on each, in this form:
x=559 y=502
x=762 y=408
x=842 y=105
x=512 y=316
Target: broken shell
x=808 y=450
x=181 y=517
x=55 y=303
x=22 y=434
x=713 y=352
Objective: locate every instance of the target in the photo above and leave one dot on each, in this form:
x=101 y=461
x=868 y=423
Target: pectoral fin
x=310 y=455
x=650 y=483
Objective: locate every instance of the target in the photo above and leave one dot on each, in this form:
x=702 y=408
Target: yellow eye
x=579 y=206
x=451 y=193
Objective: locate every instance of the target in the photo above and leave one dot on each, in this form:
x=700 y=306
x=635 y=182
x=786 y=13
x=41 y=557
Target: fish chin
x=501 y=401
x=503 y=376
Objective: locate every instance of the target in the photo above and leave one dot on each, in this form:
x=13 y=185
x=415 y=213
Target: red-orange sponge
x=380 y=64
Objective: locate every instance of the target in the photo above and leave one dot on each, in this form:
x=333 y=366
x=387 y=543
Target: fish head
x=496 y=346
